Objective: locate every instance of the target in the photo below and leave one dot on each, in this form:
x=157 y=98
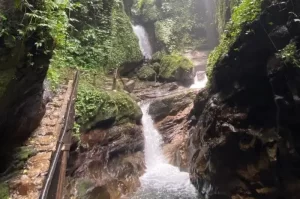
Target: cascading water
x=200 y=80
x=161 y=180
x=144 y=42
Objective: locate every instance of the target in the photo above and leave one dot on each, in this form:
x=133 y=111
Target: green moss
x=82 y=185
x=5 y=77
x=289 y=54
x=4 y=191
x=23 y=153
x=245 y=13
x=171 y=64
x=94 y=105
x=147 y=72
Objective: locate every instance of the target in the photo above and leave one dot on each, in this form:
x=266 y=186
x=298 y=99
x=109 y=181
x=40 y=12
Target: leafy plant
x=289 y=55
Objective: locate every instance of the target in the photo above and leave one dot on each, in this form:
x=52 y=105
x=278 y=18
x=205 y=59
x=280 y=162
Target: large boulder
x=109 y=158
x=109 y=164
x=147 y=72
x=245 y=142
x=175 y=67
x=171 y=104
x=96 y=108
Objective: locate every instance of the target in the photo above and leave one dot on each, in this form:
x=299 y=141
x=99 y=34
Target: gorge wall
x=23 y=68
x=245 y=141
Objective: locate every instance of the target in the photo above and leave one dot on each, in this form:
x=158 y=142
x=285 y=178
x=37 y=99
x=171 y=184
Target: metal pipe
x=50 y=175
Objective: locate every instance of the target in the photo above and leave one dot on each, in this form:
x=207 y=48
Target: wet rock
x=170 y=105
x=171 y=115
x=129 y=86
x=112 y=158
x=173 y=86
x=117 y=139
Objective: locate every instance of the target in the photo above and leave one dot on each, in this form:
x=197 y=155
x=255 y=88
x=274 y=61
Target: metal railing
x=61 y=147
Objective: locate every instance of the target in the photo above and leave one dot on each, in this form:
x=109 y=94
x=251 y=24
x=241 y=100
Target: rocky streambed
x=108 y=161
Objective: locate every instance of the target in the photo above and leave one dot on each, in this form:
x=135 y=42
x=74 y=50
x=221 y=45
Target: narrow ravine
x=161 y=180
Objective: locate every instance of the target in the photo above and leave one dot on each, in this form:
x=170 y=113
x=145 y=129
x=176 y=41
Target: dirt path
x=28 y=183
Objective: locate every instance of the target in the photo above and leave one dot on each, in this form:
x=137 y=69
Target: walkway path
x=29 y=182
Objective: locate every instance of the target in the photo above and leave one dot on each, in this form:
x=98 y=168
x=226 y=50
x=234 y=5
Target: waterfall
x=200 y=80
x=144 y=42
x=161 y=180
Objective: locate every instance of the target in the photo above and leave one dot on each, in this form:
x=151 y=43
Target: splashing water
x=144 y=43
x=200 y=80
x=161 y=180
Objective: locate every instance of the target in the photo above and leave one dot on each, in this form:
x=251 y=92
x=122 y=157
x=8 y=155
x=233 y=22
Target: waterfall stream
x=144 y=42
x=161 y=180
x=200 y=80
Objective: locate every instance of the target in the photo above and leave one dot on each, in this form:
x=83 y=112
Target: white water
x=161 y=180
x=144 y=42
x=200 y=80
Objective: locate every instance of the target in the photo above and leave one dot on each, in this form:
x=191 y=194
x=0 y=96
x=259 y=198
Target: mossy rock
x=176 y=67
x=4 y=190
x=98 y=108
x=147 y=72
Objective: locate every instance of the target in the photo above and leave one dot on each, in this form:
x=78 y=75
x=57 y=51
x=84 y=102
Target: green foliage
x=245 y=13
x=289 y=55
x=170 y=64
x=102 y=37
x=49 y=16
x=164 y=33
x=178 y=23
x=4 y=190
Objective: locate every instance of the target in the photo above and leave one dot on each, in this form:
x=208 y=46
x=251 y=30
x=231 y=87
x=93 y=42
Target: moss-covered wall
x=102 y=37
x=125 y=45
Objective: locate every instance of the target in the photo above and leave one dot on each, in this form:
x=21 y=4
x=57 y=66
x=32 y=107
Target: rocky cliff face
x=23 y=68
x=246 y=140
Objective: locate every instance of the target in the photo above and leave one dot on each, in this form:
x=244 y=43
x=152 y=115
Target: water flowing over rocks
x=171 y=114
x=245 y=141
x=161 y=180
